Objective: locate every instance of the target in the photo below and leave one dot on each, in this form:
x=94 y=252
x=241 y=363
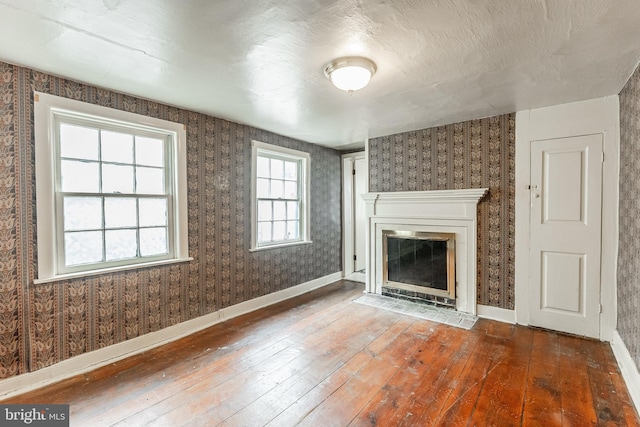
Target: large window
x=110 y=189
x=280 y=208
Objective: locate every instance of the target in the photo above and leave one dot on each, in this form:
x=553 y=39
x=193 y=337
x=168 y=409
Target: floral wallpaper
x=473 y=154
x=629 y=220
x=44 y=324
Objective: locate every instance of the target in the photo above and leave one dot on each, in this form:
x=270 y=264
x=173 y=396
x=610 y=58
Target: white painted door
x=360 y=220
x=566 y=222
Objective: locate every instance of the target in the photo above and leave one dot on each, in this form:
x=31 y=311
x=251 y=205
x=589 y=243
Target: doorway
x=355 y=184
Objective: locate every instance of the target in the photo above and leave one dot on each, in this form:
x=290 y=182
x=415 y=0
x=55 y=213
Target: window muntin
x=111 y=189
x=280 y=213
x=112 y=203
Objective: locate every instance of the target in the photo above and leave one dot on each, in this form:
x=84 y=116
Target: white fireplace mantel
x=449 y=211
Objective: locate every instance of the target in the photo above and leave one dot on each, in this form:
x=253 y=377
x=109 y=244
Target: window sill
x=60 y=277
x=281 y=245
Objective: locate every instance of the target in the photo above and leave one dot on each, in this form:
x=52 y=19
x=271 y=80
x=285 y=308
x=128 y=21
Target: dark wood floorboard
x=321 y=360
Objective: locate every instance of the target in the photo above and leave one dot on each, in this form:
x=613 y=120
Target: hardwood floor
x=322 y=360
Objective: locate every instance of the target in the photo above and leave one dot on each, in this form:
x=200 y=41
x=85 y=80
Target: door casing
x=348 y=214
x=593 y=116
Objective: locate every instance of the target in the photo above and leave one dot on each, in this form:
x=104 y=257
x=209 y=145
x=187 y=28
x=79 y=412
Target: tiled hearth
x=419 y=310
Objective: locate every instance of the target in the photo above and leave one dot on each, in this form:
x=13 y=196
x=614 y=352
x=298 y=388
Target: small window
x=280 y=208
x=110 y=189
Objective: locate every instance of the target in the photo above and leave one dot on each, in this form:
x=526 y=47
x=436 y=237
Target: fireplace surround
x=453 y=212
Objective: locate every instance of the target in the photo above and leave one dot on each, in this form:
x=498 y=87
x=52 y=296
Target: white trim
x=348 y=210
x=98 y=358
x=600 y=116
x=610 y=215
x=109 y=270
x=281 y=245
x=496 y=313
x=305 y=198
x=276 y=297
x=523 y=212
x=407 y=198
x=46 y=106
x=628 y=368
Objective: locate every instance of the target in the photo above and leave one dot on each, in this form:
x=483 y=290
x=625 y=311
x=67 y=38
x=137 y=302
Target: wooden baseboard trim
x=628 y=368
x=92 y=360
x=495 y=313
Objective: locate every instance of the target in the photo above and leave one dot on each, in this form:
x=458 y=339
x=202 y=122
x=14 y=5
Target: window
x=110 y=186
x=280 y=207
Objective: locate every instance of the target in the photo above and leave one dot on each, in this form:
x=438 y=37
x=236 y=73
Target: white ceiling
x=261 y=62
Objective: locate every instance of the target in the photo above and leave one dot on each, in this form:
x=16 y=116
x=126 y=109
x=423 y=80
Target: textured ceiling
x=261 y=62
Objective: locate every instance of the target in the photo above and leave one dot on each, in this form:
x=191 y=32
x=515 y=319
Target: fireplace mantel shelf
x=472 y=195
x=449 y=211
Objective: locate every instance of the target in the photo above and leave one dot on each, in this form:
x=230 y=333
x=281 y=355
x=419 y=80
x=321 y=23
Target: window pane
x=279 y=230
x=120 y=244
x=153 y=241
x=291 y=171
x=149 y=151
x=82 y=247
x=290 y=190
x=264 y=232
x=153 y=212
x=120 y=212
x=276 y=189
x=262 y=188
x=262 y=167
x=292 y=230
x=292 y=210
x=78 y=142
x=117 y=179
x=277 y=169
x=116 y=147
x=279 y=211
x=82 y=213
x=264 y=211
x=80 y=177
x=149 y=181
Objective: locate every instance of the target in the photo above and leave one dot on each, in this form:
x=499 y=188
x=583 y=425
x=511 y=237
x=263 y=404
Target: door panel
x=566 y=181
x=563 y=283
x=564 y=175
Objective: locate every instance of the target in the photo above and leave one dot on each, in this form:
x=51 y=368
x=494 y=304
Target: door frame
x=595 y=116
x=348 y=213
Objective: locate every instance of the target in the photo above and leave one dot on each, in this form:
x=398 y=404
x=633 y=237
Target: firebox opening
x=420 y=261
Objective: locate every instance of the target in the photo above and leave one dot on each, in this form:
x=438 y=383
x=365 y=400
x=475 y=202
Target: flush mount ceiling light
x=350 y=73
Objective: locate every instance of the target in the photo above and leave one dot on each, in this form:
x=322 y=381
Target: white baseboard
x=495 y=313
x=628 y=368
x=92 y=360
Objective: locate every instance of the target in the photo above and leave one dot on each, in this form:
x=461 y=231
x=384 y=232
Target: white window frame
x=48 y=109
x=304 y=158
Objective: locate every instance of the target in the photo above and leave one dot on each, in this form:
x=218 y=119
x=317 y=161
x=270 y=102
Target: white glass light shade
x=350 y=73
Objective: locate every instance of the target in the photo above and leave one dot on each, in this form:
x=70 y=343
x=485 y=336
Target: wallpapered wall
x=44 y=324
x=473 y=154
x=629 y=221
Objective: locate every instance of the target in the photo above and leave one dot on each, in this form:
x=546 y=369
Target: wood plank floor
x=322 y=360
